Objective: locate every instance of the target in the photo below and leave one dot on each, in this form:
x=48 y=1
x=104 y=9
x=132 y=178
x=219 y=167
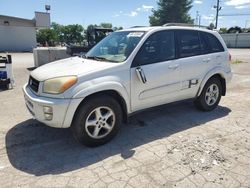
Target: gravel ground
x=170 y=146
x=240 y=54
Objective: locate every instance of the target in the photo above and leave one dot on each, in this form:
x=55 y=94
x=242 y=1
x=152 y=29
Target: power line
x=244 y=14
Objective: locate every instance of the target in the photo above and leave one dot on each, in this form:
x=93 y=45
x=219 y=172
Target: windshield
x=116 y=47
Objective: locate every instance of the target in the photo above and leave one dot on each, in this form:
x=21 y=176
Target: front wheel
x=97 y=121
x=210 y=95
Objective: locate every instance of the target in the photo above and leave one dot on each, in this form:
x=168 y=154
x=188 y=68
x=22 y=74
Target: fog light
x=48 y=116
x=48 y=112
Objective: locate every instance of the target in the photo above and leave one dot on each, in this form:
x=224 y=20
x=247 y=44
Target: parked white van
x=128 y=71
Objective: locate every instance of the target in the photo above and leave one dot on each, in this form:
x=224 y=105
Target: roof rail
x=185 y=25
x=137 y=26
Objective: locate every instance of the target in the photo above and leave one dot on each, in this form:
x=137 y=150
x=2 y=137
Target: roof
x=146 y=29
x=15 y=21
x=15 y=18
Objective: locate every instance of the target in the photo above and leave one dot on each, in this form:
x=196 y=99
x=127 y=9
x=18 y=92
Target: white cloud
x=116 y=15
x=209 y=18
x=237 y=2
x=120 y=13
x=242 y=6
x=147 y=7
x=143 y=8
x=133 y=14
x=198 y=2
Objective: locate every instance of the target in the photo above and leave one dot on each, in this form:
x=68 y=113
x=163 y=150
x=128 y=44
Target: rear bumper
x=228 y=76
x=63 y=109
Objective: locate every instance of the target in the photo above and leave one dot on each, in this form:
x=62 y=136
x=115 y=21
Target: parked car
x=128 y=71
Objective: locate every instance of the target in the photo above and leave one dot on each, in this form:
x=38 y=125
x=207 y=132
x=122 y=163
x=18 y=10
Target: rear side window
x=159 y=47
x=213 y=42
x=188 y=43
x=205 y=49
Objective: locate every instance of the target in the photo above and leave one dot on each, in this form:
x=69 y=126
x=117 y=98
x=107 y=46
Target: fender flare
x=212 y=72
x=105 y=86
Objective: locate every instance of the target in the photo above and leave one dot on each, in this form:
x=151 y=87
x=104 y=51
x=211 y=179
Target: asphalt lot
x=170 y=146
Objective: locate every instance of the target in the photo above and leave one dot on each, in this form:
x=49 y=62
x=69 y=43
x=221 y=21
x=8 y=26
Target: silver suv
x=128 y=71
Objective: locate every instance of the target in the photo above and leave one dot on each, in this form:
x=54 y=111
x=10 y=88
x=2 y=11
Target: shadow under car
x=39 y=150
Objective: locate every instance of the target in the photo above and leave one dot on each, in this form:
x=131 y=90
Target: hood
x=68 y=67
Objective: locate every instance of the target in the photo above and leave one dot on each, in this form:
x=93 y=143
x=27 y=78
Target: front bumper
x=63 y=109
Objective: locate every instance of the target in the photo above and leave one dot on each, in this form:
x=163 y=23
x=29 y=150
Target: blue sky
x=121 y=13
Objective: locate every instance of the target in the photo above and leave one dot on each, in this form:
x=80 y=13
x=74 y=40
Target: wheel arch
x=217 y=74
x=109 y=92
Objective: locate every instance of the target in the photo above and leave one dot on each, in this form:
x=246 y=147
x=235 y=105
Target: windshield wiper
x=96 y=58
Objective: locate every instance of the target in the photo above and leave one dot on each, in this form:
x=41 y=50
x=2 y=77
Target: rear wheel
x=210 y=95
x=97 y=121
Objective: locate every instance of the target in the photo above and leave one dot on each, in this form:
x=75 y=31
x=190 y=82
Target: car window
x=214 y=43
x=158 y=47
x=116 y=47
x=205 y=49
x=188 y=43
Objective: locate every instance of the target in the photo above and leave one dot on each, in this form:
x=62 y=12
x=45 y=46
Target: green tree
x=235 y=29
x=59 y=31
x=89 y=35
x=46 y=36
x=106 y=25
x=171 y=11
x=72 y=33
x=223 y=30
x=117 y=28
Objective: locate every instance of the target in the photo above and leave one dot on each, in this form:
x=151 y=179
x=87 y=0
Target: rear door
x=215 y=48
x=194 y=60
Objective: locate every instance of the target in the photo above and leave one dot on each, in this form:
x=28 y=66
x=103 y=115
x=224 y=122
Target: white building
x=18 y=34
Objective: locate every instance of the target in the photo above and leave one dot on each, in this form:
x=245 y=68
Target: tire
x=90 y=127
x=202 y=102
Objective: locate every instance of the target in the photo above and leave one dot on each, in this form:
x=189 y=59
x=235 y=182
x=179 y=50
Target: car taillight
x=230 y=57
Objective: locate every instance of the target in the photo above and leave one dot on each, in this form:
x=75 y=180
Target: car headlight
x=59 y=85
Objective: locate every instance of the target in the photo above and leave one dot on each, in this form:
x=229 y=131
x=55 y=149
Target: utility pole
x=218 y=8
x=197 y=18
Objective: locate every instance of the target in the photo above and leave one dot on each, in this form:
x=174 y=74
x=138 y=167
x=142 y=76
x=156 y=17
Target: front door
x=155 y=72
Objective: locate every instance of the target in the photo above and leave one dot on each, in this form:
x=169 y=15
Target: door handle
x=141 y=75
x=173 y=66
x=206 y=60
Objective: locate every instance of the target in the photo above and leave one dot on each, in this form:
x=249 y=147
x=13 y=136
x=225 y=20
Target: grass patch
x=236 y=61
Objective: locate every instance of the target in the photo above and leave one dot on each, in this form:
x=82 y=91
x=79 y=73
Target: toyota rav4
x=128 y=71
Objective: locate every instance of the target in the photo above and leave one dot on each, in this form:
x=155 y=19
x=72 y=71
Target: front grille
x=33 y=84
